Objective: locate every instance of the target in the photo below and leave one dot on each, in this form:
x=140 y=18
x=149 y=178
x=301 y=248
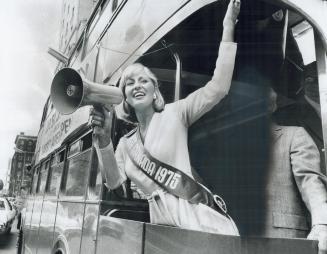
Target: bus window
x=74 y=148
x=56 y=169
x=304 y=37
x=99 y=23
x=98 y=180
x=95 y=177
x=298 y=101
x=86 y=142
x=43 y=176
x=95 y=180
x=35 y=179
x=78 y=164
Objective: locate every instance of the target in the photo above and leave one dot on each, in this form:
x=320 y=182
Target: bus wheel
x=59 y=251
x=59 y=248
x=20 y=242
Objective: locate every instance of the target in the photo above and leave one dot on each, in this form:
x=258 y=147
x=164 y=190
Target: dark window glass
x=86 y=141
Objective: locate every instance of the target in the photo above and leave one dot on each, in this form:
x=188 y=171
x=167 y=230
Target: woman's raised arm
x=202 y=100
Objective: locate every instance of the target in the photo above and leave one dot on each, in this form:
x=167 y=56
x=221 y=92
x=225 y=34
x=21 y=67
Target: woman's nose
x=137 y=85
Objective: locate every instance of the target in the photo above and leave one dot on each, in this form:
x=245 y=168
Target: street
x=8 y=242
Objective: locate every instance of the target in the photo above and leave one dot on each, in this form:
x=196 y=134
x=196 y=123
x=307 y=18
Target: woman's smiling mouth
x=139 y=94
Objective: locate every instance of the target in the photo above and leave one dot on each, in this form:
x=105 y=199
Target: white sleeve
x=205 y=98
x=114 y=165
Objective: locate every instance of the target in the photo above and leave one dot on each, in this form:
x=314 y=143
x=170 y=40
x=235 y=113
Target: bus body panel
x=117 y=235
x=32 y=242
x=90 y=226
x=170 y=240
x=69 y=222
x=48 y=218
x=28 y=216
x=56 y=129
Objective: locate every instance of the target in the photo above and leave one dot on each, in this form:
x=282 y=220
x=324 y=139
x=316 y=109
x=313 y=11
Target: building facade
x=24 y=151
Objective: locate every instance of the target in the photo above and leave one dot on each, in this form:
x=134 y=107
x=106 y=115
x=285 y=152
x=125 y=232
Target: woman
x=160 y=140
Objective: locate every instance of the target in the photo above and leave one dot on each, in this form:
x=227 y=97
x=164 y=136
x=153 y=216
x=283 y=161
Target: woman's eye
x=129 y=83
x=143 y=81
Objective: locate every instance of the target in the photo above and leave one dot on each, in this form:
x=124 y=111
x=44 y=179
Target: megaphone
x=70 y=92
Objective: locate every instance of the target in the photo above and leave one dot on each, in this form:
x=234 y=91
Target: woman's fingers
x=236 y=8
x=237 y=3
x=98 y=118
x=97 y=131
x=102 y=112
x=96 y=112
x=97 y=123
x=232 y=13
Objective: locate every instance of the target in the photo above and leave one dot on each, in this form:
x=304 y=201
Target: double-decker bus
x=69 y=209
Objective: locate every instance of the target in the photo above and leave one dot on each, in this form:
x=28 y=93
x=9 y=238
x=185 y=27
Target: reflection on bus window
x=43 y=177
x=57 y=166
x=74 y=148
x=304 y=37
x=35 y=179
x=77 y=173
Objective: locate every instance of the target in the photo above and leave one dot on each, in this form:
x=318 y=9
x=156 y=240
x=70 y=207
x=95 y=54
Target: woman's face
x=139 y=91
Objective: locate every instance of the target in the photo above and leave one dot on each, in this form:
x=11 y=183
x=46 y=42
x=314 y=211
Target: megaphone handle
x=100 y=159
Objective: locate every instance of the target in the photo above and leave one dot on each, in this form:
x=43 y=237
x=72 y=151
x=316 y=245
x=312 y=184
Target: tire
x=59 y=248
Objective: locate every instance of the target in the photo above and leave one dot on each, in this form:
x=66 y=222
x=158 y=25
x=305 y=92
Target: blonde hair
x=128 y=113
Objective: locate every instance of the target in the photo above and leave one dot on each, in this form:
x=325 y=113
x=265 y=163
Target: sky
x=28 y=28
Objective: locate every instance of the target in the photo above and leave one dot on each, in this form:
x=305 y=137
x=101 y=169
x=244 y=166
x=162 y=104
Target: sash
x=169 y=178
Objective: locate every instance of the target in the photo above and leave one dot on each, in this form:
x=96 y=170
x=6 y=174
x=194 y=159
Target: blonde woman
x=155 y=155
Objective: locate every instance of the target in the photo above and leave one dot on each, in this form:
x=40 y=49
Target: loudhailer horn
x=70 y=92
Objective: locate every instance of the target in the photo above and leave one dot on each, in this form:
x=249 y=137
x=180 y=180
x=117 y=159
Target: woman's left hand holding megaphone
x=101 y=121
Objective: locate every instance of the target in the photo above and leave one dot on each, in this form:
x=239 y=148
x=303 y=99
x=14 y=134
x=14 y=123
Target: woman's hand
x=101 y=120
x=230 y=20
x=232 y=12
x=319 y=232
